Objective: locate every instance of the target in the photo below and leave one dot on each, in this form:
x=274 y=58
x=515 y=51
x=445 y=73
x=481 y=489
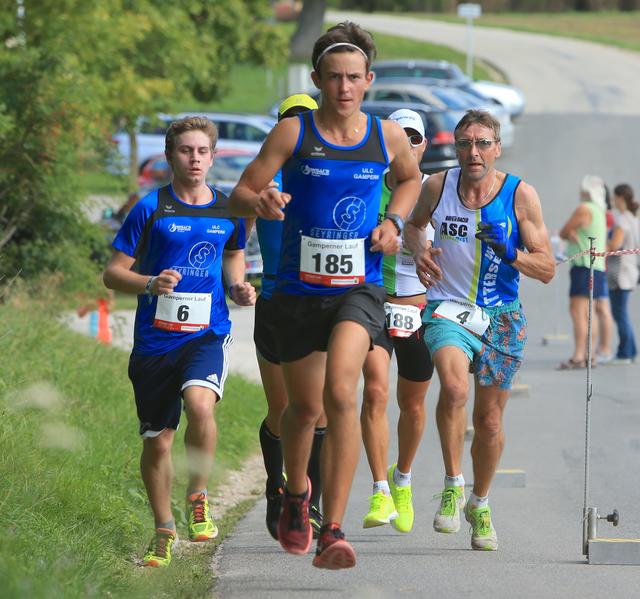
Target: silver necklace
x=356 y=130
x=486 y=195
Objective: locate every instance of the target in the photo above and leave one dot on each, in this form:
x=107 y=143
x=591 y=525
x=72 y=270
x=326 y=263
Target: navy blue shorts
x=580 y=282
x=158 y=381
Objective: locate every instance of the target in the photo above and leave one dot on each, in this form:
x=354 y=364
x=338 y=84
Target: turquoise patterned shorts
x=497 y=355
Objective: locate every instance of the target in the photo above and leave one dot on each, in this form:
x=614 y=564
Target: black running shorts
x=412 y=354
x=304 y=322
x=264 y=330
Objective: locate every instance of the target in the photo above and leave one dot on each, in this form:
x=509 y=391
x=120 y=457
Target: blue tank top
x=269 y=238
x=335 y=190
x=163 y=232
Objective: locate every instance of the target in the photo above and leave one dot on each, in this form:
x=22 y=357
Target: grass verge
x=73 y=510
x=621 y=29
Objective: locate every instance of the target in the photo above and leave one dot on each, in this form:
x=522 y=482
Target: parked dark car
x=438 y=125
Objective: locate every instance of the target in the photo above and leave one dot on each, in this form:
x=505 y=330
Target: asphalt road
x=563 y=135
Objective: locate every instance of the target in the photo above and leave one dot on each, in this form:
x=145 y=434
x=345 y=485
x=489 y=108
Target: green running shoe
x=403 y=504
x=201 y=524
x=381 y=510
x=159 y=552
x=447 y=518
x=483 y=535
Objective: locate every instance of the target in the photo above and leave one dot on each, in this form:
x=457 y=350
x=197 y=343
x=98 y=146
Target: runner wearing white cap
x=391 y=500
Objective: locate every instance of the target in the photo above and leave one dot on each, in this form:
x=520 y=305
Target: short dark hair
x=480 y=117
x=346 y=32
x=190 y=123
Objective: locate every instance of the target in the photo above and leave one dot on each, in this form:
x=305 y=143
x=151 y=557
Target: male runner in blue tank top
x=264 y=335
x=488 y=229
x=173 y=250
x=328 y=293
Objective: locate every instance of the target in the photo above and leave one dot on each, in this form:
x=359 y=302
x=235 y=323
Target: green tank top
x=598 y=229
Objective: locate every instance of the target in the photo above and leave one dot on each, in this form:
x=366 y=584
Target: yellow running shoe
x=201 y=524
x=483 y=535
x=159 y=552
x=447 y=518
x=402 y=500
x=381 y=510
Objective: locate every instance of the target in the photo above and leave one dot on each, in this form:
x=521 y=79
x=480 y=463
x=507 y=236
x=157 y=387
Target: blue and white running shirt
x=162 y=232
x=335 y=191
x=471 y=270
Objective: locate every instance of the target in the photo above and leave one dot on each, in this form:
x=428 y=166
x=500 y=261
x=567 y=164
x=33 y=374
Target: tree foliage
x=72 y=70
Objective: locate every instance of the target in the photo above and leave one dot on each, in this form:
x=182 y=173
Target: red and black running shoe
x=333 y=552
x=294 y=529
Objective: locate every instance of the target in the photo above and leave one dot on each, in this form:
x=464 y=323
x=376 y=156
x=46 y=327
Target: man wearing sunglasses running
x=391 y=501
x=489 y=229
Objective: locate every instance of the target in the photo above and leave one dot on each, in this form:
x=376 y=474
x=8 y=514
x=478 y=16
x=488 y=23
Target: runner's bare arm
x=581 y=217
x=255 y=195
x=537 y=262
x=233 y=269
x=405 y=170
x=414 y=231
x=119 y=276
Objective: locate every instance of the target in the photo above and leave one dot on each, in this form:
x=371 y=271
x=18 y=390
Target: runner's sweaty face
x=192 y=158
x=343 y=79
x=476 y=161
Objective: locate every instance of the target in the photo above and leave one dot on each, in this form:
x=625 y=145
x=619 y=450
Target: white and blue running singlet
x=270 y=239
x=162 y=232
x=335 y=198
x=471 y=270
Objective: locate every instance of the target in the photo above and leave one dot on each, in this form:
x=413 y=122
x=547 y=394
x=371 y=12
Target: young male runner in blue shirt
x=264 y=334
x=328 y=287
x=174 y=250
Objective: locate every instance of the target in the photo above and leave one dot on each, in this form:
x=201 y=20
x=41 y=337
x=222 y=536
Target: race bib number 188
x=332 y=262
x=471 y=317
x=183 y=312
x=402 y=321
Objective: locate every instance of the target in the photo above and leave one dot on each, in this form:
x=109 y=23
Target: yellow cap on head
x=297 y=101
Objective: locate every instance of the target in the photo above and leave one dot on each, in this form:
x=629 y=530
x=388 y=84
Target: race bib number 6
x=331 y=262
x=471 y=317
x=402 y=321
x=183 y=312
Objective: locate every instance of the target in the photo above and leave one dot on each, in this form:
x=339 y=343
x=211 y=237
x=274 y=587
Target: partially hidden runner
x=328 y=292
x=178 y=249
x=391 y=500
x=264 y=335
x=489 y=229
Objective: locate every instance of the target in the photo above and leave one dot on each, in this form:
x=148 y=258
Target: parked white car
x=239 y=131
x=508 y=95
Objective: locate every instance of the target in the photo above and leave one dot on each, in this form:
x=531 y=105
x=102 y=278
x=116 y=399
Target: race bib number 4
x=331 y=262
x=402 y=321
x=471 y=317
x=183 y=312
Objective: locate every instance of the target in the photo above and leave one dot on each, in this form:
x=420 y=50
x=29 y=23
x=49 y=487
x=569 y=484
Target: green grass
x=73 y=510
x=95 y=181
x=621 y=29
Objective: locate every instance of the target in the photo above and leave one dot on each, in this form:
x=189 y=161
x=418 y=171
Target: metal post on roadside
x=469 y=12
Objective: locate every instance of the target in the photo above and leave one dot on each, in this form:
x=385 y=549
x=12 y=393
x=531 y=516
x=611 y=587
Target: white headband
x=332 y=46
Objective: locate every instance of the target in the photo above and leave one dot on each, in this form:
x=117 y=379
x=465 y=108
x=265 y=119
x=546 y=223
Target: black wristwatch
x=396 y=219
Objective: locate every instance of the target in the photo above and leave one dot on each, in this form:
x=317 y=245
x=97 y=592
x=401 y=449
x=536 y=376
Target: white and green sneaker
x=483 y=535
x=381 y=510
x=447 y=518
x=402 y=499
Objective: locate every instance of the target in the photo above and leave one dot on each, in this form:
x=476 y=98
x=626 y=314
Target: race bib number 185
x=332 y=262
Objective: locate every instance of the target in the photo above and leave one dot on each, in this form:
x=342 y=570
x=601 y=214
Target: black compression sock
x=313 y=469
x=272 y=456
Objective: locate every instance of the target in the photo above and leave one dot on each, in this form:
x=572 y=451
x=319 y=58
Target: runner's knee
x=488 y=424
x=454 y=392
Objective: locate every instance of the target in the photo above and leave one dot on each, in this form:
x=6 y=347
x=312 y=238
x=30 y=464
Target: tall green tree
x=70 y=70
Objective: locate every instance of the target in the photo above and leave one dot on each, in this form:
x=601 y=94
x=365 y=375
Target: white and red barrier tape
x=600 y=254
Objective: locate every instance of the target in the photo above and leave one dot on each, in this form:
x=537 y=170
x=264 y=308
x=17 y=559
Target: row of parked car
x=438 y=90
